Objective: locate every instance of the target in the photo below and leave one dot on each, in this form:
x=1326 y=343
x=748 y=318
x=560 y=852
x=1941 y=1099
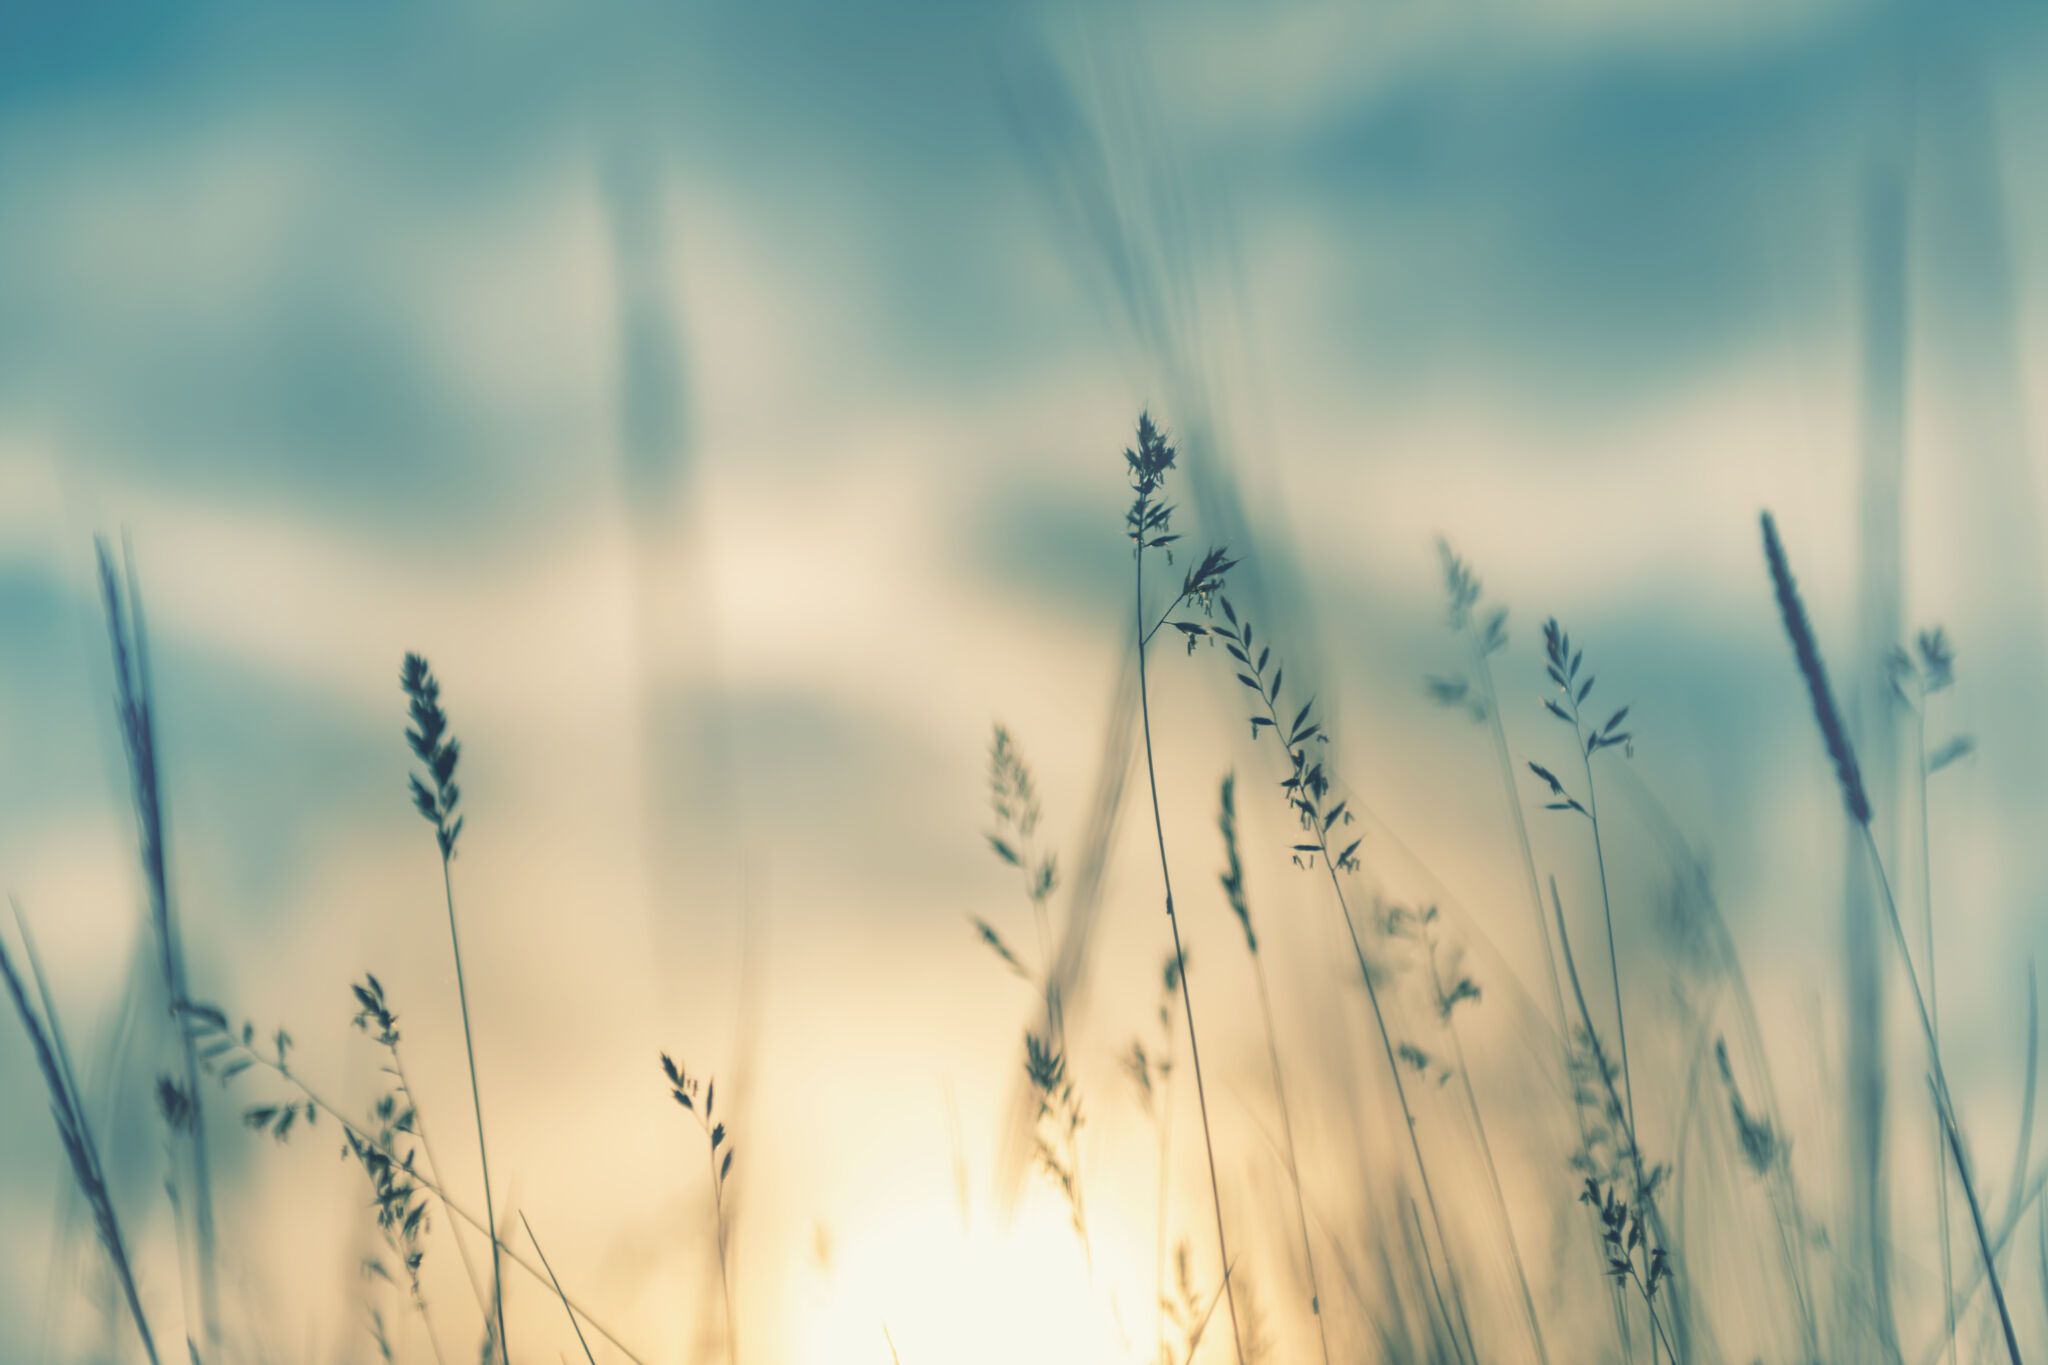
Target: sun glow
x=907 y=1275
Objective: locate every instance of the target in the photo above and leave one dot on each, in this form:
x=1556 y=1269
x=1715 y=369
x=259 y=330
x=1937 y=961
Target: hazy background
x=728 y=399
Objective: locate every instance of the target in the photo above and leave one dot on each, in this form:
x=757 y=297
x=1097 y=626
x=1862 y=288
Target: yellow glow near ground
x=945 y=1293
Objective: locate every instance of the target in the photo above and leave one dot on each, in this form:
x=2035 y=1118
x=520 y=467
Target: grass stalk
x=1448 y=998
x=574 y=1325
x=134 y=705
x=1948 y=1284
x=235 y=1052
x=67 y=1108
x=1463 y=590
x=1623 y=1264
x=1240 y=903
x=439 y=751
x=1307 y=789
x=1148 y=523
x=718 y=1152
x=1849 y=776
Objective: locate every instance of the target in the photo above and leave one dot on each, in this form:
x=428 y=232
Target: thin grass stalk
x=1984 y=1247
x=1379 y=1017
x=1564 y=672
x=477 y=1106
x=684 y=1090
x=574 y=1325
x=2022 y=1203
x=1948 y=1283
x=732 y=1345
x=427 y=1148
x=1148 y=522
x=1436 y=1289
x=1635 y=1152
x=1240 y=902
x=1187 y=998
x=1786 y=1208
x=210 y=1024
x=1464 y=590
x=1465 y=593
x=1445 y=1005
x=75 y=1131
x=135 y=711
x=1306 y=788
x=1613 y=958
x=1849 y=776
x=439 y=751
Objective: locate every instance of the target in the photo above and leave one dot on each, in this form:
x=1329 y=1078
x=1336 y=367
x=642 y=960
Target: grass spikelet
x=1836 y=738
x=439 y=751
x=718 y=1151
x=1806 y=653
x=1149 y=526
x=1308 y=790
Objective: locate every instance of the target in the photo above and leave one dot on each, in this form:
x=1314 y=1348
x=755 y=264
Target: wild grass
x=1916 y=678
x=135 y=718
x=1240 y=905
x=1307 y=791
x=718 y=1154
x=1359 y=1259
x=1856 y=801
x=439 y=801
x=1149 y=525
x=67 y=1108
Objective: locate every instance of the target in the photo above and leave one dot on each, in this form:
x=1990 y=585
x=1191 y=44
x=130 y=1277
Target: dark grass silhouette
x=439 y=801
x=1307 y=791
x=1849 y=776
x=67 y=1108
x=718 y=1152
x=135 y=718
x=1380 y=1265
x=1149 y=525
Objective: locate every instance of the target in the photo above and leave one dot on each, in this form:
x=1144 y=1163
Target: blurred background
x=729 y=400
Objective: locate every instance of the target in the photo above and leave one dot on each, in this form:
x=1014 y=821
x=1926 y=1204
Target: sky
x=729 y=400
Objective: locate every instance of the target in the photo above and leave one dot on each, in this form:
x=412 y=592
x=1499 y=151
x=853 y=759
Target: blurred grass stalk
x=135 y=715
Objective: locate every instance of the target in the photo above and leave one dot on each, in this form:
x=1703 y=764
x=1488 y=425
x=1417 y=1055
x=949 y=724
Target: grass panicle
x=1308 y=790
x=1149 y=526
x=438 y=800
x=1835 y=736
x=718 y=1152
x=228 y=1052
x=1834 y=733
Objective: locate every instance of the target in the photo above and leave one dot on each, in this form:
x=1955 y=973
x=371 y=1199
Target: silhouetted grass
x=1149 y=525
x=135 y=716
x=1307 y=790
x=1835 y=736
x=228 y=1053
x=718 y=1152
x=1384 y=1246
x=439 y=751
x=67 y=1108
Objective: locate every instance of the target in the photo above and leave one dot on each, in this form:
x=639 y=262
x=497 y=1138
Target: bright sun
x=907 y=1274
